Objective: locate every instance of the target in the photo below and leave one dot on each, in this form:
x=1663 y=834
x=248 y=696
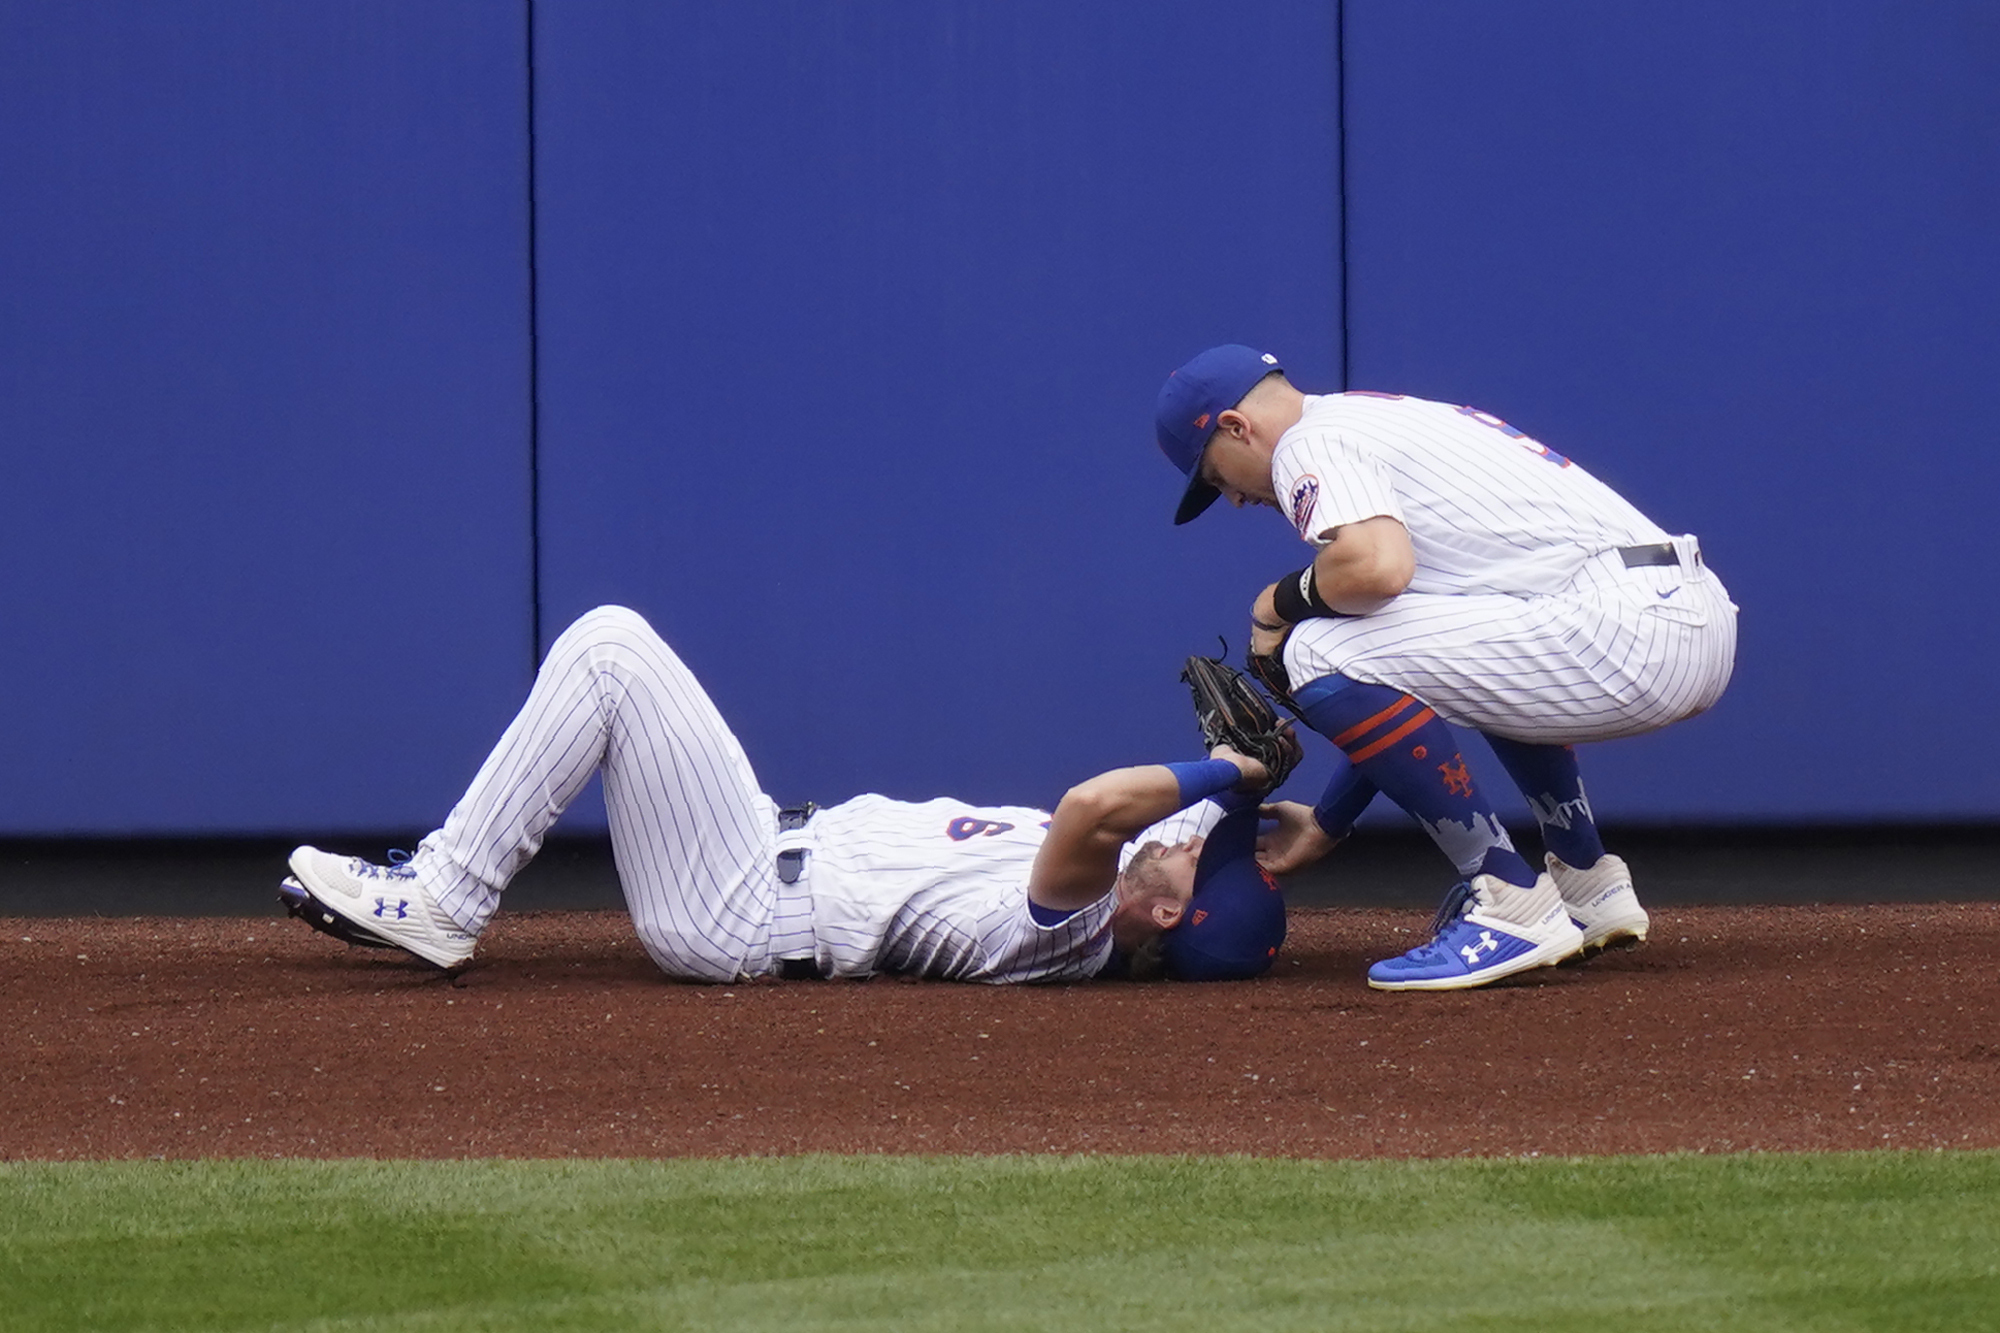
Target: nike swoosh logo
x=1668 y=593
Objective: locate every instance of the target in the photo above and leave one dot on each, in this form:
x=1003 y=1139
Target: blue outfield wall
x=264 y=408
x=840 y=351
x=851 y=320
x=1743 y=262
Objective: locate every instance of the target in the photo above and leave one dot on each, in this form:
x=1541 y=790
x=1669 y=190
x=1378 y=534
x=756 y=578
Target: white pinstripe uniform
x=1522 y=619
x=936 y=889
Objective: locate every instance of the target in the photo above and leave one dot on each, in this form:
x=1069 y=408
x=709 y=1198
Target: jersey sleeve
x=1017 y=948
x=1325 y=478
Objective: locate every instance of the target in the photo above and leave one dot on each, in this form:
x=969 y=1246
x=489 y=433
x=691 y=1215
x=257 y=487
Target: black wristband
x=1297 y=598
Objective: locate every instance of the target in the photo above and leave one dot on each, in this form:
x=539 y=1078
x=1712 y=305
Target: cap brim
x=1197 y=498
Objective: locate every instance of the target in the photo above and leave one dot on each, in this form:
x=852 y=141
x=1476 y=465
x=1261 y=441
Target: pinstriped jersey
x=939 y=889
x=1487 y=508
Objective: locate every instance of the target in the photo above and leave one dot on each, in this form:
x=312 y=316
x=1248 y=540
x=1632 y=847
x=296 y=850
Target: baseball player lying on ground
x=1139 y=871
x=1462 y=573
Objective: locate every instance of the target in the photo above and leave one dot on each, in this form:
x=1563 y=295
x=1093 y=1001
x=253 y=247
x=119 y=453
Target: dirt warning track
x=1774 y=1028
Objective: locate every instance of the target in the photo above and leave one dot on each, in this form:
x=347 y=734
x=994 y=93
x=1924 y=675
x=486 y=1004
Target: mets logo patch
x=1303 y=497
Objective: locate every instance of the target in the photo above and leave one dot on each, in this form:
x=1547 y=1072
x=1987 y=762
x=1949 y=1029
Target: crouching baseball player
x=1138 y=871
x=1461 y=573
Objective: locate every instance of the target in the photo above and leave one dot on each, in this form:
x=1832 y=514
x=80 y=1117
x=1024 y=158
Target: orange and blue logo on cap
x=1191 y=402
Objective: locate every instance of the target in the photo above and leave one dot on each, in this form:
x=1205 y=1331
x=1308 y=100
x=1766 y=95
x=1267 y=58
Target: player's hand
x=1295 y=843
x=1288 y=737
x=1267 y=632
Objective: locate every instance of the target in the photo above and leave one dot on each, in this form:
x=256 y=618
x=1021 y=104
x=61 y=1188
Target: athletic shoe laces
x=1455 y=905
x=399 y=866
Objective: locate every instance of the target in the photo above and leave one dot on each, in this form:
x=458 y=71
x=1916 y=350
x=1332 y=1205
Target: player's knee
x=1305 y=662
x=608 y=624
x=611 y=621
x=1309 y=691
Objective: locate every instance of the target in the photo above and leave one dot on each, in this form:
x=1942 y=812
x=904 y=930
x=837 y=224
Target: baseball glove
x=1231 y=712
x=1269 y=669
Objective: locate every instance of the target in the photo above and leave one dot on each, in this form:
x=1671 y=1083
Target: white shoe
x=1487 y=929
x=385 y=902
x=1602 y=903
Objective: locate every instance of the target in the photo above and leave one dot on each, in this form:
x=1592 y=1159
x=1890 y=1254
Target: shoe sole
x=1627 y=934
x=1547 y=955
x=299 y=902
x=1617 y=939
x=324 y=917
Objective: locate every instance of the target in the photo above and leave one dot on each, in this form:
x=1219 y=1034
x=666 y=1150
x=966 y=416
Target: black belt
x=792 y=862
x=1659 y=553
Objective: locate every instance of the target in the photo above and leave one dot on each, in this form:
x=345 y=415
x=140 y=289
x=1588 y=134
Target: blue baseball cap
x=1234 y=924
x=1190 y=401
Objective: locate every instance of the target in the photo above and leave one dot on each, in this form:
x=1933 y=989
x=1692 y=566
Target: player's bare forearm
x=1361 y=568
x=1364 y=565
x=1296 y=842
x=1097 y=817
x=1118 y=804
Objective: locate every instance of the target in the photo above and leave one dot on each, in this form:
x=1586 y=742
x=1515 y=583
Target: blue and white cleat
x=387 y=903
x=1487 y=929
x=1602 y=903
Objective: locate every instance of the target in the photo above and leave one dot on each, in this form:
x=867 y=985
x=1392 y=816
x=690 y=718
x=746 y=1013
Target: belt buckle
x=1652 y=555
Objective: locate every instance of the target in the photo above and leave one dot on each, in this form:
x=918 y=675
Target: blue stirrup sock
x=1347 y=794
x=1408 y=752
x=1549 y=778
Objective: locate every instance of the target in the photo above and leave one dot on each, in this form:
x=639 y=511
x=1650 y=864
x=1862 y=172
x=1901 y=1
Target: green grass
x=1870 y=1241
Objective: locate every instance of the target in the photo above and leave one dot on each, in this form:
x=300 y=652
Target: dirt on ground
x=1787 y=1028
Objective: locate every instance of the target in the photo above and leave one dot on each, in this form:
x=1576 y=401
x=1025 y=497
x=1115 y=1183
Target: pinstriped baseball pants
x=1619 y=652
x=692 y=833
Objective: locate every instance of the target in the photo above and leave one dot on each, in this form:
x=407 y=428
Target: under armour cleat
x=302 y=905
x=1601 y=902
x=384 y=905
x=1487 y=929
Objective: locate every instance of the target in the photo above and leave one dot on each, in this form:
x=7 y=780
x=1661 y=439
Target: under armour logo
x=1479 y=946
x=400 y=909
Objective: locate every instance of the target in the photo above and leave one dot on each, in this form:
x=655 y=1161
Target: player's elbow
x=1088 y=805
x=1387 y=575
x=1366 y=565
x=1368 y=585
x=1101 y=809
